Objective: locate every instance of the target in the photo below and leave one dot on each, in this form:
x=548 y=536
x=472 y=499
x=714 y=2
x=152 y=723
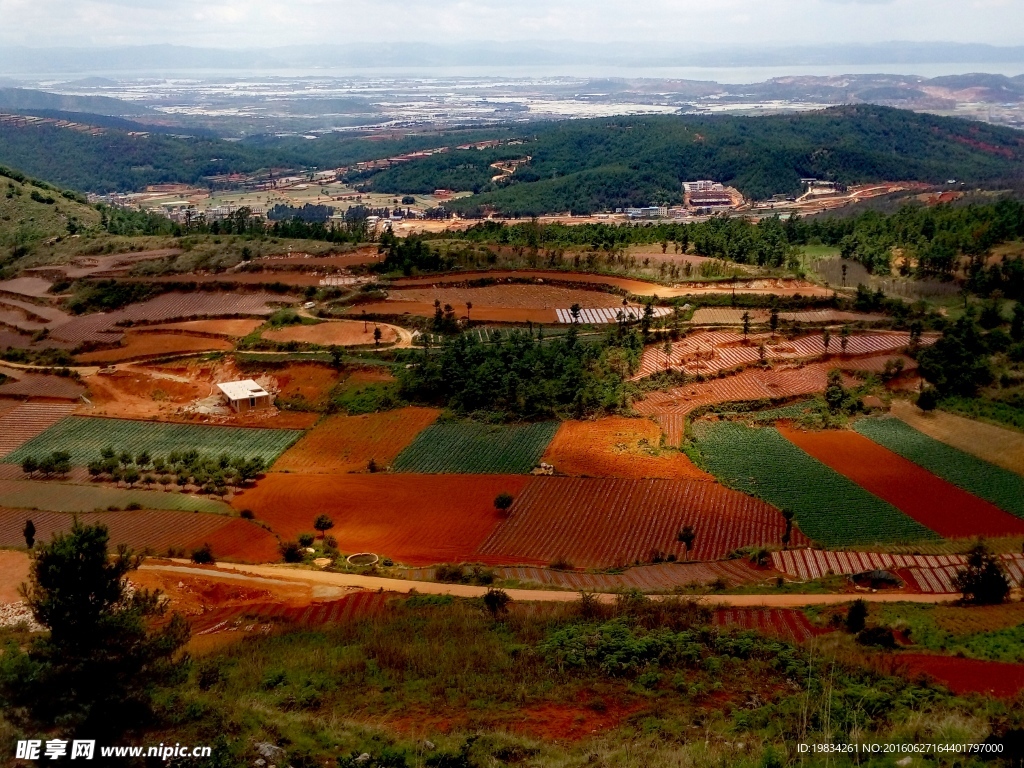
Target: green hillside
x=33 y=212
x=590 y=165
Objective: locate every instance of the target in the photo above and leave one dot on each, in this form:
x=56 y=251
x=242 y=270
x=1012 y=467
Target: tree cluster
x=182 y=468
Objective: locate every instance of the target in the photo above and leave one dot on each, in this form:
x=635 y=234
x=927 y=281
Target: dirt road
x=259 y=574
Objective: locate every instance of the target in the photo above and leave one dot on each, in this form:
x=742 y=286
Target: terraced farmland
x=828 y=507
x=596 y=523
x=71 y=497
x=999 y=486
x=141 y=530
x=472 y=448
x=85 y=437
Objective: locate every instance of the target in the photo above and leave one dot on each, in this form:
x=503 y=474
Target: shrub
x=503 y=501
x=497 y=601
x=982 y=581
x=928 y=399
x=306 y=539
x=291 y=551
x=203 y=555
x=856 y=616
x=248 y=514
x=879 y=637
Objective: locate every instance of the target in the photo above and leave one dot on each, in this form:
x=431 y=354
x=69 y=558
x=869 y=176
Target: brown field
x=481 y=315
x=23 y=384
x=347 y=443
x=243 y=278
x=343 y=333
x=26 y=420
x=234 y=328
x=997 y=445
x=140 y=345
x=307 y=381
x=616 y=447
x=552 y=276
x=415 y=519
x=136 y=393
x=600 y=523
x=13 y=572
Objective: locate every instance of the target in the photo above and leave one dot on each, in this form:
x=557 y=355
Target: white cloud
x=254 y=23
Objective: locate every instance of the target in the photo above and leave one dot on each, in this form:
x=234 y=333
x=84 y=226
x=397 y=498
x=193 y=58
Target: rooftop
x=242 y=390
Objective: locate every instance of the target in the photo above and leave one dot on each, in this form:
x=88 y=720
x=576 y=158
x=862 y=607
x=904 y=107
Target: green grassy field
x=85 y=437
x=987 y=481
x=69 y=497
x=472 y=448
x=828 y=507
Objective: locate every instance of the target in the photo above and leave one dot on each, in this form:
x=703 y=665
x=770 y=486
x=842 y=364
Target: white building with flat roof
x=245 y=395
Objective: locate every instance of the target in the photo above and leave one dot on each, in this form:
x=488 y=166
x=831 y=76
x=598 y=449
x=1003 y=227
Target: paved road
x=259 y=574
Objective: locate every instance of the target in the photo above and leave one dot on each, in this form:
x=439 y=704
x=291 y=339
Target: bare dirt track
x=343 y=333
x=415 y=519
x=348 y=443
x=13 y=571
x=616 y=447
x=279 y=574
x=931 y=501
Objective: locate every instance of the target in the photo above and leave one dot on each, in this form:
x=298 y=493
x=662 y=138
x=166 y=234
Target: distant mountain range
x=149 y=58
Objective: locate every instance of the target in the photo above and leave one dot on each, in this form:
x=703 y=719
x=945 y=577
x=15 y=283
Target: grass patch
x=992 y=411
x=67 y=497
x=475 y=448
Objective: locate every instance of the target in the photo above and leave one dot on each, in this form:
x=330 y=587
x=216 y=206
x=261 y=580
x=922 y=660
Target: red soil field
x=233 y=617
x=507 y=295
x=309 y=381
x=595 y=523
x=782 y=622
x=482 y=314
x=347 y=443
x=960 y=675
x=245 y=278
x=233 y=328
x=640 y=287
x=344 y=333
x=26 y=420
x=13 y=571
x=138 y=346
x=155 y=530
x=415 y=519
x=241 y=540
x=616 y=447
x=931 y=501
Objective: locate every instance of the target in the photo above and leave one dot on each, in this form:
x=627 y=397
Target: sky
x=740 y=23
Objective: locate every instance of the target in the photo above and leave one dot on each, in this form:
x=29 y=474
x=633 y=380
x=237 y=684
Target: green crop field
x=69 y=497
x=999 y=486
x=85 y=437
x=828 y=507
x=472 y=448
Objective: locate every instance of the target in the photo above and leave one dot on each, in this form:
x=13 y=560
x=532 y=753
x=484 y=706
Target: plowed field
x=308 y=381
x=600 y=523
x=234 y=618
x=994 y=678
x=931 y=501
x=239 y=539
x=138 y=346
x=153 y=530
x=343 y=333
x=232 y=328
x=23 y=422
x=416 y=519
x=616 y=447
x=347 y=443
x=787 y=623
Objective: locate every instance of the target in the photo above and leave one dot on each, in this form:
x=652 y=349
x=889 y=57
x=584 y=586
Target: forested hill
x=590 y=165
x=578 y=165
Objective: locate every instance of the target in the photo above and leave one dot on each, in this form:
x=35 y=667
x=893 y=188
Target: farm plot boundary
x=463 y=447
x=829 y=508
x=999 y=486
x=84 y=437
